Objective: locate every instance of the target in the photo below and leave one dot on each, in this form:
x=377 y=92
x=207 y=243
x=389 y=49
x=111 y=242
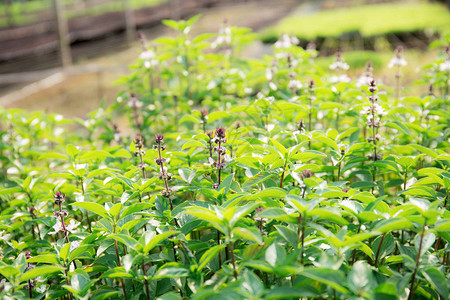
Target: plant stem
x=282 y=175
x=145 y=281
x=219 y=175
x=119 y=264
x=339 y=172
x=220 y=252
x=411 y=289
x=30 y=289
x=233 y=260
x=68 y=283
x=354 y=250
x=379 y=249
x=405 y=177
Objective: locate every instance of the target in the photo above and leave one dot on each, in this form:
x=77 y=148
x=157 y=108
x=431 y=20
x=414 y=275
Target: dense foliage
x=214 y=176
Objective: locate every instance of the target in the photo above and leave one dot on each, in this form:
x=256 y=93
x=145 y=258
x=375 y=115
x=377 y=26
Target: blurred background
x=64 y=55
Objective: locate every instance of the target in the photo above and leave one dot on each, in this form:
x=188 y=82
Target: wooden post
x=63 y=34
x=130 y=26
x=9 y=12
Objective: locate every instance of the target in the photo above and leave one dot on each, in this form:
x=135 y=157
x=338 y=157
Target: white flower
x=286 y=41
x=212 y=84
x=41 y=288
x=363 y=80
x=224 y=37
x=445 y=66
x=147 y=55
x=340 y=78
x=59 y=227
x=137 y=103
x=397 y=62
x=339 y=65
x=59 y=118
x=74 y=245
x=378 y=110
x=72 y=226
x=4 y=236
x=295 y=84
x=210 y=161
x=269 y=74
x=151 y=63
x=227 y=158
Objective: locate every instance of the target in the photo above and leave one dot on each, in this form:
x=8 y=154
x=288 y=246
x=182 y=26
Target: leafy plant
x=239 y=198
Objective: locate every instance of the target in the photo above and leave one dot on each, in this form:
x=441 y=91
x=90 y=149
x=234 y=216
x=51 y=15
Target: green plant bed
x=368 y=20
x=217 y=176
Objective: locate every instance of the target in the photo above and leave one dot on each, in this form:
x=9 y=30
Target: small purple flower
x=220 y=132
x=307 y=174
x=59 y=197
x=159 y=138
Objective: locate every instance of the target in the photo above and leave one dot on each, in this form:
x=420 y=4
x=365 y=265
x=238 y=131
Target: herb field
x=215 y=176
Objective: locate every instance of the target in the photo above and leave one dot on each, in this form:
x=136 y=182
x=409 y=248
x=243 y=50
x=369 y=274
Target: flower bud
x=59 y=197
x=306 y=174
x=220 y=132
x=159 y=138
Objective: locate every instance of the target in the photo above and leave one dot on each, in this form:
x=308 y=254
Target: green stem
x=233 y=260
x=411 y=289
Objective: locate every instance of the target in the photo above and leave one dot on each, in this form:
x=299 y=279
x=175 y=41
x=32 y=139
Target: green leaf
x=64 y=252
x=331 y=277
x=117 y=272
x=171 y=272
x=329 y=142
x=40 y=271
x=437 y=280
x=72 y=151
x=115 y=210
x=271 y=192
x=79 y=250
x=287 y=292
x=427 y=242
x=252 y=284
x=156 y=239
x=327 y=215
x=442 y=225
x=124 y=239
x=399 y=126
x=250 y=234
x=9 y=271
x=360 y=278
x=206 y=215
x=288 y=234
x=308 y=155
x=135 y=208
x=93 y=207
x=392 y=224
x=280 y=148
x=257 y=179
x=44 y=258
x=362 y=184
x=275 y=254
x=209 y=255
